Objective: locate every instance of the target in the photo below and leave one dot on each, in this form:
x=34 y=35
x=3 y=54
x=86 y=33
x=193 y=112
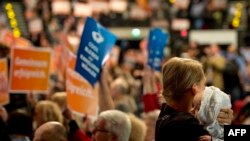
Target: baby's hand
x=225 y=116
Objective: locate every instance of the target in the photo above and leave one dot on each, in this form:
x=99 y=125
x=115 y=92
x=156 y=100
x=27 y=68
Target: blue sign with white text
x=95 y=46
x=156 y=44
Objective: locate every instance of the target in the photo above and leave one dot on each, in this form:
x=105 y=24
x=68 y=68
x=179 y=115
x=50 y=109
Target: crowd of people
x=200 y=89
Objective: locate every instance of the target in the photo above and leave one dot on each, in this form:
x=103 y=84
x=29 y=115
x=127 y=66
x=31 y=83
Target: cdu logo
x=97 y=37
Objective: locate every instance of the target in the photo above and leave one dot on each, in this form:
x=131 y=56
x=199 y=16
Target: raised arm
x=105 y=100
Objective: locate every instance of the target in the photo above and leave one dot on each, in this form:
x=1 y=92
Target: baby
x=207 y=107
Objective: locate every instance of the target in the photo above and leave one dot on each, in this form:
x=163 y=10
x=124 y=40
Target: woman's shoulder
x=169 y=115
x=183 y=119
x=171 y=122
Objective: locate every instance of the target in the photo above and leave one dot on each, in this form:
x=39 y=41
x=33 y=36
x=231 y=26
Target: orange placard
x=81 y=96
x=29 y=69
x=56 y=63
x=62 y=58
x=71 y=61
x=4 y=96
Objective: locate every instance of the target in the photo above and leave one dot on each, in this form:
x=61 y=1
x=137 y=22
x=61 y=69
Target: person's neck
x=185 y=104
x=180 y=107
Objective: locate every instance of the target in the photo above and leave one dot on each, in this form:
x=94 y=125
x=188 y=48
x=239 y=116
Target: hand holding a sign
x=105 y=100
x=149 y=85
x=150 y=94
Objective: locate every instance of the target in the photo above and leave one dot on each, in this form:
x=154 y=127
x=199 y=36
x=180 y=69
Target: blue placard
x=156 y=44
x=95 y=46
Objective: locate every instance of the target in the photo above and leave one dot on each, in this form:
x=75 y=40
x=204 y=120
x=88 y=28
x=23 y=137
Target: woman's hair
x=179 y=75
x=118 y=123
x=138 y=130
x=60 y=99
x=48 y=111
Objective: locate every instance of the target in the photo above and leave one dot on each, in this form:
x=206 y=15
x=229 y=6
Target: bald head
x=51 y=131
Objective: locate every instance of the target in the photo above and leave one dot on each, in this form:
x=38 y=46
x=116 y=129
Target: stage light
x=136 y=32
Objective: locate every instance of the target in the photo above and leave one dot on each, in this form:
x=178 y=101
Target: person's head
x=20 y=123
x=150 y=119
x=112 y=125
x=119 y=86
x=50 y=131
x=193 y=44
x=208 y=106
x=138 y=129
x=60 y=99
x=182 y=79
x=214 y=49
x=47 y=111
x=193 y=52
x=209 y=103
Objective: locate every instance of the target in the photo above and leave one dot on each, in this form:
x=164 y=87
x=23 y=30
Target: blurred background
x=130 y=20
x=215 y=32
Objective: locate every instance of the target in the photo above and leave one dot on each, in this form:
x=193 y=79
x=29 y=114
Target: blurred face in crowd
x=129 y=60
x=214 y=49
x=100 y=133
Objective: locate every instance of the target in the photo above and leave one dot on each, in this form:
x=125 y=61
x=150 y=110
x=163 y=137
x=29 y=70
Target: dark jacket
x=172 y=125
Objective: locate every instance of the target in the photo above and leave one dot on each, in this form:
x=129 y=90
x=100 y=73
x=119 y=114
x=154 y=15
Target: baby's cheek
x=192 y=111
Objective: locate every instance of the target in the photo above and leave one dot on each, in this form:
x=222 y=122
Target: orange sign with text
x=4 y=96
x=29 y=69
x=81 y=96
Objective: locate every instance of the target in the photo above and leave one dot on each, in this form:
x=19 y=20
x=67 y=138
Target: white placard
x=138 y=13
x=82 y=10
x=100 y=6
x=182 y=4
x=61 y=7
x=118 y=5
x=205 y=37
x=180 y=24
x=35 y=25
